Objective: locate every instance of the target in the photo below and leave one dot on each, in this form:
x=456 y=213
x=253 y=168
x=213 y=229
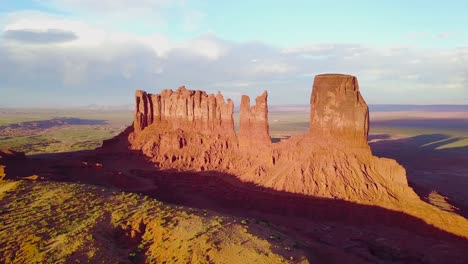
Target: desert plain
x=75 y=207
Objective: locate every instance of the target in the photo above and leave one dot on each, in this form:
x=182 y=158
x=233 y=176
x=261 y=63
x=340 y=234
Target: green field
x=66 y=138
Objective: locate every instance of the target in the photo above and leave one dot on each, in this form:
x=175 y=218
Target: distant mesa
x=192 y=130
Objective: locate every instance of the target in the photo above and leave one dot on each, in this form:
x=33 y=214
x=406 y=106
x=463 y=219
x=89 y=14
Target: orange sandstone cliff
x=193 y=130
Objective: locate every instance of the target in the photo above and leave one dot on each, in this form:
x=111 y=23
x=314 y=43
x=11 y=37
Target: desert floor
x=432 y=146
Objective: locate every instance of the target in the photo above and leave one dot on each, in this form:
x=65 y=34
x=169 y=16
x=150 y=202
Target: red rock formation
x=185 y=109
x=190 y=130
x=253 y=129
x=335 y=151
x=338 y=111
x=184 y=129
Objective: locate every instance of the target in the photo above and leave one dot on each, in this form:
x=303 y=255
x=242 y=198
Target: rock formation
x=191 y=130
x=143 y=114
x=253 y=128
x=185 y=109
x=183 y=129
x=338 y=111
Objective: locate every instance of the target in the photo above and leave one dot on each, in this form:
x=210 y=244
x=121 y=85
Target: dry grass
x=50 y=222
x=441 y=202
x=2 y=172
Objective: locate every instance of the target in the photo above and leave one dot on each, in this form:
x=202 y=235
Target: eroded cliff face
x=185 y=109
x=184 y=129
x=338 y=112
x=253 y=127
x=192 y=130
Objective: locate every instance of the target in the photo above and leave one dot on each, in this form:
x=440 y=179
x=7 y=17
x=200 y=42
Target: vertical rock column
x=338 y=111
x=143 y=110
x=254 y=130
x=224 y=115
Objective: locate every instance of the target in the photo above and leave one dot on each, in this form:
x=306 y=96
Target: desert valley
x=233 y=132
x=187 y=183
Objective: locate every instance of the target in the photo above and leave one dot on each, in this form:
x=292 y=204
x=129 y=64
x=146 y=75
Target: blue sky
x=80 y=52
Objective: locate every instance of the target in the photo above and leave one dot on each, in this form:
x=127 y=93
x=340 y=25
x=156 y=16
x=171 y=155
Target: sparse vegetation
x=65 y=138
x=51 y=222
x=440 y=201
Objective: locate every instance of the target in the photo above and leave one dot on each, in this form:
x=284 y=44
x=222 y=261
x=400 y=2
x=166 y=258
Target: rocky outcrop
x=185 y=109
x=338 y=113
x=186 y=129
x=253 y=128
x=191 y=130
x=143 y=110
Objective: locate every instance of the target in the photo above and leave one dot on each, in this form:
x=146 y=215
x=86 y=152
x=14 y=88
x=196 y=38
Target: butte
x=190 y=130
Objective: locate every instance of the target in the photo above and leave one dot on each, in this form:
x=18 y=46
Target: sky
x=75 y=53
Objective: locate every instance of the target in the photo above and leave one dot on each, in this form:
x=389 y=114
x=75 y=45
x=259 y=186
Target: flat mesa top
x=333 y=75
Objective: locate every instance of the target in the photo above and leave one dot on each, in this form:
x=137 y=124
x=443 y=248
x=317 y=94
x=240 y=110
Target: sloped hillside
x=51 y=222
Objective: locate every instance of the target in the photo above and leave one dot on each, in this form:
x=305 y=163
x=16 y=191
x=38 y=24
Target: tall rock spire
x=253 y=129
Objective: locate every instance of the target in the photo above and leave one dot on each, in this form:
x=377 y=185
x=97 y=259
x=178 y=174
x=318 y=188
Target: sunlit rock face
x=194 y=131
x=185 y=109
x=338 y=111
x=253 y=129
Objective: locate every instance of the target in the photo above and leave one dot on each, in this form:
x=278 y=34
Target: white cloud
x=267 y=68
x=102 y=64
x=133 y=15
x=315 y=48
x=110 y=6
x=204 y=46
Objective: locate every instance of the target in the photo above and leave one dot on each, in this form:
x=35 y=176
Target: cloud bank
x=49 y=60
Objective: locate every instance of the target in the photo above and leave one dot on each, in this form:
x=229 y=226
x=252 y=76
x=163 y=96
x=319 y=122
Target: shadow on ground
x=441 y=123
x=430 y=168
x=327 y=222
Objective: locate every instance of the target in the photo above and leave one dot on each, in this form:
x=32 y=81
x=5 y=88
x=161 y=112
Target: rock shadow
x=440 y=123
x=372 y=137
x=226 y=194
x=279 y=139
x=430 y=167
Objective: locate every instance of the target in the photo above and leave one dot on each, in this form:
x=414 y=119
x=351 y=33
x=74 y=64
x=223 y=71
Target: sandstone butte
x=194 y=131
